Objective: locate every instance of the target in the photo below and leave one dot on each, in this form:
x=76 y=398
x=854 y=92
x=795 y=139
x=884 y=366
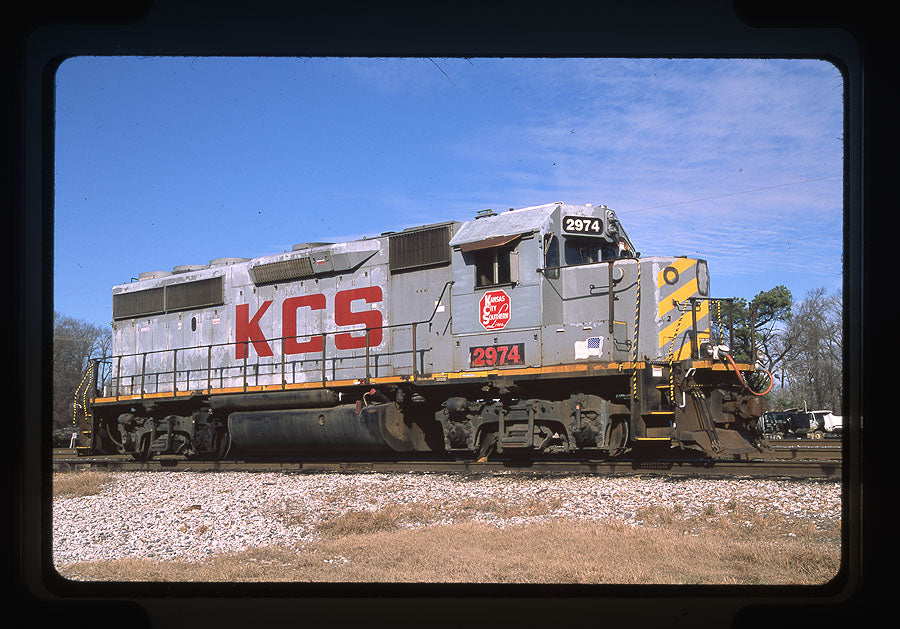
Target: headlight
x=702 y=278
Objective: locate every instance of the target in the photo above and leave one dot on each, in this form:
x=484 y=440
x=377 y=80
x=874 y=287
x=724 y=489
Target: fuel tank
x=275 y=400
x=372 y=429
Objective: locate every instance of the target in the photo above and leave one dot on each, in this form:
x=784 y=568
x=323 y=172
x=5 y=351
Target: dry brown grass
x=729 y=545
x=398 y=515
x=75 y=484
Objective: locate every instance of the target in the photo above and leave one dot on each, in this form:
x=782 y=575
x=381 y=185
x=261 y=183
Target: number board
x=583 y=225
x=497 y=355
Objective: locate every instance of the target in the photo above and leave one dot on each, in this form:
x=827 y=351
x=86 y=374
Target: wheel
x=778 y=436
x=617 y=437
x=488 y=446
x=142 y=451
x=817 y=434
x=222 y=444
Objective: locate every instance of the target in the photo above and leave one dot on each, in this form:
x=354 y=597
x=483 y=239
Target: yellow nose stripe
x=666 y=304
x=681 y=265
x=666 y=334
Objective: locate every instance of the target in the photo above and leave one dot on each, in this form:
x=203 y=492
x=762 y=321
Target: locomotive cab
x=526 y=285
x=546 y=297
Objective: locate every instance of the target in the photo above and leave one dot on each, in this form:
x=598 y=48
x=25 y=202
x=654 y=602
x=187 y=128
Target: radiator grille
x=208 y=292
x=420 y=248
x=171 y=298
x=291 y=269
x=139 y=303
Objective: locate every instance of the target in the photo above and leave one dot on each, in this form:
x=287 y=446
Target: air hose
x=744 y=382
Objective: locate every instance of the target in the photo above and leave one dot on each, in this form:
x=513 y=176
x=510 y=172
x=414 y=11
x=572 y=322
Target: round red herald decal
x=494 y=310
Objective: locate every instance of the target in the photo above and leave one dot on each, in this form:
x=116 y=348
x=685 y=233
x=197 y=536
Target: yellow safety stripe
x=86 y=376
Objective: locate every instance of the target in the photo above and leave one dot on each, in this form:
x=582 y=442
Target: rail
x=171 y=376
x=762 y=467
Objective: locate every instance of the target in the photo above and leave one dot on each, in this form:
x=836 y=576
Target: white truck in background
x=801 y=424
x=825 y=422
x=817 y=424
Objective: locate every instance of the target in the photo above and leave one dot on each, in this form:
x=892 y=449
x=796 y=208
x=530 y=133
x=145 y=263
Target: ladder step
x=658 y=433
x=659 y=420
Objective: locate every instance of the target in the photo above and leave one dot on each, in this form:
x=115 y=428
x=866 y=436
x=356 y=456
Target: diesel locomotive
x=523 y=333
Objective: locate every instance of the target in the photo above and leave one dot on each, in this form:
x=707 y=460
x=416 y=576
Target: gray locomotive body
x=532 y=330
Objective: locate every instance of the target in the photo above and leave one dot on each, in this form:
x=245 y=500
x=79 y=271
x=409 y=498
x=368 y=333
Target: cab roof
x=519 y=222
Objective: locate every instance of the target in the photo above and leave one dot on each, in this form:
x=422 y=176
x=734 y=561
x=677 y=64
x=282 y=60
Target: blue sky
x=170 y=161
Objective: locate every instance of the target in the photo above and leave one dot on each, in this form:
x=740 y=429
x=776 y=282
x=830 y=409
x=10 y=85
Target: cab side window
x=493 y=266
x=551 y=256
x=582 y=250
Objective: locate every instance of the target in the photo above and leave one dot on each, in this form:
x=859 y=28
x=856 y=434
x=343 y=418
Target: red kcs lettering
x=289 y=323
x=371 y=318
x=248 y=331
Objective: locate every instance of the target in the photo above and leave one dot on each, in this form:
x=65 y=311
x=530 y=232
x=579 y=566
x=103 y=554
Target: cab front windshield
x=586 y=250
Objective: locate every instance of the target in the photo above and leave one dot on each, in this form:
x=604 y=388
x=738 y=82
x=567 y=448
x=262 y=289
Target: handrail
x=695 y=350
x=576 y=264
x=243 y=366
x=610 y=263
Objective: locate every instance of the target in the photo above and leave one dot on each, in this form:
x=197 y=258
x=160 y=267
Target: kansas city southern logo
x=494 y=310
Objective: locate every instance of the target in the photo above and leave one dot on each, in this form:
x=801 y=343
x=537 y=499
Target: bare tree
x=75 y=342
x=813 y=366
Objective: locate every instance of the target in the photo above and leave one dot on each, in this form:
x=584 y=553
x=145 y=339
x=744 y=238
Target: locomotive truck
x=523 y=333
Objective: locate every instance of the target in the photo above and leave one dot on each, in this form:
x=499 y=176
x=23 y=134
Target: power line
x=769 y=243
x=730 y=194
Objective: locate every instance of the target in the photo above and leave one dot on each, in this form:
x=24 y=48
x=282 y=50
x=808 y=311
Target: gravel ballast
x=188 y=516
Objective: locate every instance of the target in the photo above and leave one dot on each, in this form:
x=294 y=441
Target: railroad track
x=808 y=444
x=812 y=450
x=768 y=465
